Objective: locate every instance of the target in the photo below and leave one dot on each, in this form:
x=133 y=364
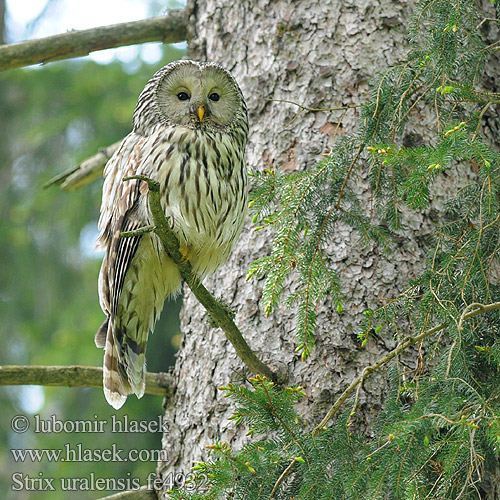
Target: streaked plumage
x=194 y=147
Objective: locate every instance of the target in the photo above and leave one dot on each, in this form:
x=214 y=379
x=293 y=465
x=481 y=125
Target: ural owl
x=189 y=133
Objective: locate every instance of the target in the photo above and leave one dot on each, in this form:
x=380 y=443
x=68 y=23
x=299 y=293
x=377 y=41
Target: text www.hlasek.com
x=78 y=453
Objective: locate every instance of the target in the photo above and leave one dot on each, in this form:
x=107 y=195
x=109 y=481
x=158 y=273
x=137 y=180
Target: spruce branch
x=86 y=172
x=216 y=310
x=401 y=347
x=77 y=43
x=157 y=384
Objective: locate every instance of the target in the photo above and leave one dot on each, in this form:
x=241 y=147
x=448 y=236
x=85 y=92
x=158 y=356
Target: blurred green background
x=52 y=118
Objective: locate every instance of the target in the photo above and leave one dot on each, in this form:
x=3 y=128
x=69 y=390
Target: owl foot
x=137 y=232
x=186 y=253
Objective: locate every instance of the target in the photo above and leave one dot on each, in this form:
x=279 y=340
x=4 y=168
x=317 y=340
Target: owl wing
x=119 y=214
x=135 y=275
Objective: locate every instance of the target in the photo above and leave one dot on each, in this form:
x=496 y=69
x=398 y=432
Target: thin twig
x=477 y=308
x=479 y=118
x=158 y=384
x=305 y=108
x=487 y=20
x=491 y=224
x=282 y=477
x=348 y=175
x=214 y=308
x=408 y=342
x=77 y=43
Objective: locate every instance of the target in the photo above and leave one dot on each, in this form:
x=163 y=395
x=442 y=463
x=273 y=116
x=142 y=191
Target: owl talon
x=186 y=253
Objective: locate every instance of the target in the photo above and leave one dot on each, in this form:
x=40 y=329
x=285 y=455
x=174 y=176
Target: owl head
x=190 y=94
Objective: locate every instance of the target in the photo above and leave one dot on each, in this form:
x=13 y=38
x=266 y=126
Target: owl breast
x=204 y=192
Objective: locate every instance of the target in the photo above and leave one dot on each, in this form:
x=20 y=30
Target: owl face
x=197 y=95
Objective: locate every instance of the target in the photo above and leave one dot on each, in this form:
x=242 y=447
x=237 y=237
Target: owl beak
x=201 y=112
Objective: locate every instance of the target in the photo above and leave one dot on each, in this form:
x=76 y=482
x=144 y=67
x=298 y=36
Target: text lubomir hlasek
x=96 y=425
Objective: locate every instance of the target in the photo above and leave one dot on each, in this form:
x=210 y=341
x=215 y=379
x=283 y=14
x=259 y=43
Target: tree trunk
x=320 y=55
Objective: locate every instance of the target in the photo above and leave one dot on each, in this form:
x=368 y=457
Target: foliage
x=438 y=435
x=308 y=207
x=441 y=73
x=53 y=118
x=421 y=451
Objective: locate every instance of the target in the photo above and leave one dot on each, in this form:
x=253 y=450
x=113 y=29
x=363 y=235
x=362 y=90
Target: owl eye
x=214 y=96
x=183 y=96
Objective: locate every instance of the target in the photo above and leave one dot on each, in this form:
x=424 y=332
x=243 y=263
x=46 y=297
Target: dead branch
x=77 y=43
x=86 y=172
x=158 y=384
x=401 y=347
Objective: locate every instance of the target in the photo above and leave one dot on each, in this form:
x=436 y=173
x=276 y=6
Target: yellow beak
x=201 y=112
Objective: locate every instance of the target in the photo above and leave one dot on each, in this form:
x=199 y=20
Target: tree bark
x=318 y=55
x=2 y=21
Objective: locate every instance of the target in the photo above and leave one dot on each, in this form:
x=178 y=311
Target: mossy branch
x=157 y=384
x=77 y=43
x=402 y=346
x=214 y=308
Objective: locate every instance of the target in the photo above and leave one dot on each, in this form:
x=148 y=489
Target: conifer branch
x=348 y=174
x=157 y=384
x=86 y=172
x=405 y=344
x=408 y=342
x=219 y=314
x=77 y=43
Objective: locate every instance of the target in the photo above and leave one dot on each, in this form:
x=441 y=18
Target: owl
x=190 y=129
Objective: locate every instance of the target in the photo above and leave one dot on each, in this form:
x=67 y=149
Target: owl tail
x=115 y=383
x=124 y=365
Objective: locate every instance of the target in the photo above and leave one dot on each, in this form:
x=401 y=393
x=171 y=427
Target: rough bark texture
x=320 y=55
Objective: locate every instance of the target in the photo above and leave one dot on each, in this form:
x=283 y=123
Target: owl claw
x=186 y=253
